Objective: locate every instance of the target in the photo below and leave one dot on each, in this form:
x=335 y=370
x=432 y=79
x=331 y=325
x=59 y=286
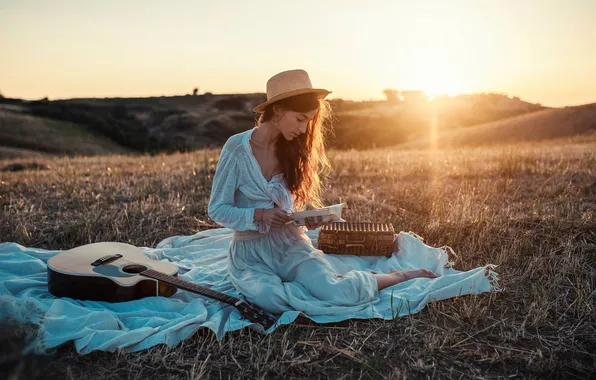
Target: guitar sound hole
x=135 y=268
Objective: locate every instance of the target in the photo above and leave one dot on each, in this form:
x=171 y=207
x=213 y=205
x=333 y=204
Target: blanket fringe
x=489 y=269
x=447 y=249
x=449 y=252
x=416 y=235
x=493 y=278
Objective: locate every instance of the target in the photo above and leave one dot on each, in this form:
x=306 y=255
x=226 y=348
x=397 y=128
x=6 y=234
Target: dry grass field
x=529 y=208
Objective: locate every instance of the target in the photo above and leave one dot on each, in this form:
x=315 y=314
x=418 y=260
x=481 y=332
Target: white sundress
x=277 y=269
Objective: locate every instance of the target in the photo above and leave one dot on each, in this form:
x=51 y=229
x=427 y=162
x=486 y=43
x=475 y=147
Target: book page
x=328 y=213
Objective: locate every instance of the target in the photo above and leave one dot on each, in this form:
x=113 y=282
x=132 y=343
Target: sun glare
x=436 y=75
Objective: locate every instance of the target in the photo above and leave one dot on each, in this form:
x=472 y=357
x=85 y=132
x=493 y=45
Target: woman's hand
x=276 y=217
x=314 y=223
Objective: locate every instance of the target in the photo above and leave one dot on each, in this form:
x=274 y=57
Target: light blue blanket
x=201 y=257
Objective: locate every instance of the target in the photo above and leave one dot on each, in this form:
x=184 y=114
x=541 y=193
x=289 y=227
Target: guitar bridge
x=106 y=259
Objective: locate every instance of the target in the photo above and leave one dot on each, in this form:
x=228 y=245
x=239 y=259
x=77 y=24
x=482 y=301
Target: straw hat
x=286 y=84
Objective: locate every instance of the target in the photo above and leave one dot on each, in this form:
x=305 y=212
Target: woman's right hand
x=276 y=217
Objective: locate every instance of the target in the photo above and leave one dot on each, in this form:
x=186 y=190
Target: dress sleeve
x=221 y=207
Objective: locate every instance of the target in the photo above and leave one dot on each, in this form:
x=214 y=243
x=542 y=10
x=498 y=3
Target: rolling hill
x=181 y=123
x=541 y=125
x=22 y=134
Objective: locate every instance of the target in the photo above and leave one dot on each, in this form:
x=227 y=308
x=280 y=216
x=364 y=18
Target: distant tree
x=1 y=96
x=195 y=91
x=392 y=95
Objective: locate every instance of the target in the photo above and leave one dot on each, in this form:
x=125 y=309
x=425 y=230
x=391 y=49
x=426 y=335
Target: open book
x=329 y=213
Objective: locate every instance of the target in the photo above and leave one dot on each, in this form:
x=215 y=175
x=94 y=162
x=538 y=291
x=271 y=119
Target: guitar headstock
x=255 y=314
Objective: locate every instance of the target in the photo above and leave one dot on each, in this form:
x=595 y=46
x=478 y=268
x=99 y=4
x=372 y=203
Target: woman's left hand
x=314 y=223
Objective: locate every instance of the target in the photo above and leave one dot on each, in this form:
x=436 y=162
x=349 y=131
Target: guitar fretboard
x=190 y=286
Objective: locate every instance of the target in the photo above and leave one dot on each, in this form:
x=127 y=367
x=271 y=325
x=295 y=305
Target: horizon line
x=377 y=99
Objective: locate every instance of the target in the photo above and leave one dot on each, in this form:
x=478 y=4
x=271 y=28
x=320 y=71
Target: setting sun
x=355 y=49
x=435 y=74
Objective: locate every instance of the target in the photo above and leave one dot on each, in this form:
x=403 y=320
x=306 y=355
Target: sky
x=543 y=51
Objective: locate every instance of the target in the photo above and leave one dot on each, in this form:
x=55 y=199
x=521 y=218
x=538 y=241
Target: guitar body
x=71 y=274
x=119 y=272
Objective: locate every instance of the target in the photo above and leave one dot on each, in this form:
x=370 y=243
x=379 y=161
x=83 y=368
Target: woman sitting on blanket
x=263 y=175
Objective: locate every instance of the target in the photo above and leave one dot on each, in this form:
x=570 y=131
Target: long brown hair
x=303 y=159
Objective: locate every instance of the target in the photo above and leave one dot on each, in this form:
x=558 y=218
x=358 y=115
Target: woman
x=265 y=174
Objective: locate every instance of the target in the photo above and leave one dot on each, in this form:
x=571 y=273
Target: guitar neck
x=181 y=284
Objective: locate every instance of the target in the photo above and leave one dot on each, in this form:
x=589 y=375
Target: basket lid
x=359 y=227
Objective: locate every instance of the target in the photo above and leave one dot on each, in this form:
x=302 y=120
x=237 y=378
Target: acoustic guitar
x=119 y=272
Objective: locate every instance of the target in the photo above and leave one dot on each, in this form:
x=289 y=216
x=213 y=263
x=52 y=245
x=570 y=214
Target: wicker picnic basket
x=357 y=238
